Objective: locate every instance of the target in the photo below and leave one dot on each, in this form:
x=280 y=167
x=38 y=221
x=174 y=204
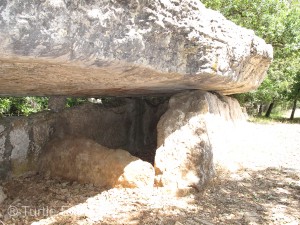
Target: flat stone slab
x=124 y=47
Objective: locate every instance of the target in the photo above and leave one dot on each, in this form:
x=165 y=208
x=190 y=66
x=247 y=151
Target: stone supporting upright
x=184 y=157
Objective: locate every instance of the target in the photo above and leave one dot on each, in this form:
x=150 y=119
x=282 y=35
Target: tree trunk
x=260 y=110
x=268 y=113
x=294 y=106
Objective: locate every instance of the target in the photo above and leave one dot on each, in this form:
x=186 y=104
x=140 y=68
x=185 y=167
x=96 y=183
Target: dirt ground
x=257 y=182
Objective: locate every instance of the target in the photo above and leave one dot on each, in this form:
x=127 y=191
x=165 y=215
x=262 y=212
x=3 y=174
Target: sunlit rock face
x=132 y=47
x=84 y=160
x=188 y=134
x=179 y=135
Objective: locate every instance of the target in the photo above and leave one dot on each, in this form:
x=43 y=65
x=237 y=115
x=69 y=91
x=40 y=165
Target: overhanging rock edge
x=88 y=48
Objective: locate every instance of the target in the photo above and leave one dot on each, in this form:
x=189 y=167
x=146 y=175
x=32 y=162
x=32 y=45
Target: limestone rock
x=137 y=174
x=2 y=142
x=2 y=195
x=57 y=103
x=90 y=48
x=128 y=124
x=84 y=160
x=20 y=142
x=184 y=157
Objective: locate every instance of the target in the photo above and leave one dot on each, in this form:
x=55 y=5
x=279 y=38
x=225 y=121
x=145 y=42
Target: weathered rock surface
x=184 y=158
x=83 y=160
x=2 y=195
x=128 y=124
x=57 y=103
x=91 y=48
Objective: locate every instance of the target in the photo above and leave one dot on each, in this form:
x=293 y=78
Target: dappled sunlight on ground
x=262 y=187
x=270 y=196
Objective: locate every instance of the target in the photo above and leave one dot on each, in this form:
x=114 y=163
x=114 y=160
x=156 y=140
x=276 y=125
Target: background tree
x=295 y=94
x=17 y=106
x=24 y=106
x=278 y=22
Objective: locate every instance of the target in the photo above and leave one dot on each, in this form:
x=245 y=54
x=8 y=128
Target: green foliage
x=4 y=105
x=278 y=22
x=16 y=106
x=75 y=101
x=24 y=106
x=273 y=119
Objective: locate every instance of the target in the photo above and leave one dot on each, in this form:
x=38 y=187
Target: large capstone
x=92 y=48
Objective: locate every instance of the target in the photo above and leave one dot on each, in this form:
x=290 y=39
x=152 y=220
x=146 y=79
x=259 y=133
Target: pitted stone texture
x=2 y=195
x=184 y=158
x=57 y=103
x=19 y=139
x=2 y=128
x=2 y=142
x=83 y=160
x=184 y=155
x=2 y=147
x=128 y=124
x=127 y=47
x=20 y=143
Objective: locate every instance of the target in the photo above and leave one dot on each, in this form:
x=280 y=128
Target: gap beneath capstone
x=122 y=125
x=181 y=132
x=114 y=123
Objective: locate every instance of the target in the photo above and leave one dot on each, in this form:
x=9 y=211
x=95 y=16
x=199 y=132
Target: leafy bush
x=19 y=106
